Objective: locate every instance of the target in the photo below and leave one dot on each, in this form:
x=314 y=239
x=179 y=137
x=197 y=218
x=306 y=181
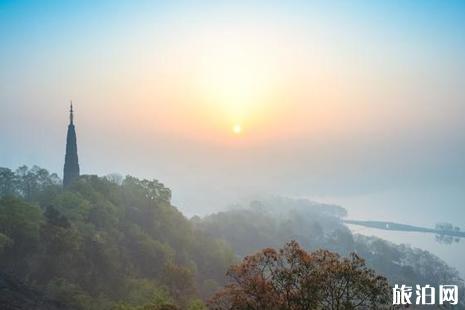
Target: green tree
x=8 y=182
x=20 y=225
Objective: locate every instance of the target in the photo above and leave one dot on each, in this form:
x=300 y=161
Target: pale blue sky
x=368 y=101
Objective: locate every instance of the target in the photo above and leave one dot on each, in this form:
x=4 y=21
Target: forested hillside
x=119 y=243
x=274 y=221
x=104 y=243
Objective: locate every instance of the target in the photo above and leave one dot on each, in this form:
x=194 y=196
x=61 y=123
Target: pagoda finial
x=71 y=112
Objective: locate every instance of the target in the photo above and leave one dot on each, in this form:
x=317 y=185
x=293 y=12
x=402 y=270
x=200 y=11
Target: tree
x=19 y=233
x=292 y=278
x=31 y=184
x=8 y=182
x=179 y=281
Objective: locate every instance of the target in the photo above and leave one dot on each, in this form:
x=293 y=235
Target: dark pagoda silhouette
x=71 y=169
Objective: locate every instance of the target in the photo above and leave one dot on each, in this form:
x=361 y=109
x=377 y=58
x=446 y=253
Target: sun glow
x=231 y=78
x=237 y=129
x=234 y=77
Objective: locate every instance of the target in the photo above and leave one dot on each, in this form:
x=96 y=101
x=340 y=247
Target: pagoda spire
x=71 y=112
x=71 y=168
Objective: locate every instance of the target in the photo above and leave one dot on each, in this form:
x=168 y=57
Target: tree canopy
x=103 y=244
x=291 y=278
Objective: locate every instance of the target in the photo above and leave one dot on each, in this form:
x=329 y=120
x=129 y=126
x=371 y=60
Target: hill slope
x=101 y=244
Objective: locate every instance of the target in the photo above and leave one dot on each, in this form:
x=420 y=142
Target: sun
x=237 y=129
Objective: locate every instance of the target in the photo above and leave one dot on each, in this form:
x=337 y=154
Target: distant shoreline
x=404 y=227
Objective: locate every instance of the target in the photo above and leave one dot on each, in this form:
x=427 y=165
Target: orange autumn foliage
x=291 y=278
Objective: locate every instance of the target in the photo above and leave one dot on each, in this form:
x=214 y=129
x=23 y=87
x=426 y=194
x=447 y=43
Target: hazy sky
x=360 y=103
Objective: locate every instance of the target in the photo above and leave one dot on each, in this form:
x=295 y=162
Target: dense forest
x=105 y=243
x=118 y=243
